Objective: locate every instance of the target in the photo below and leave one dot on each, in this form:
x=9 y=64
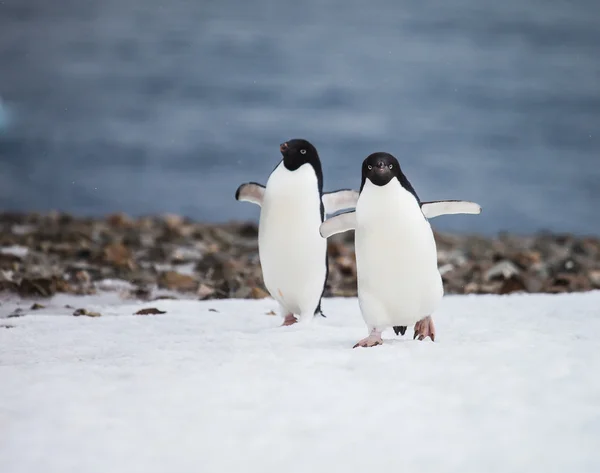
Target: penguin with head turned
x=396 y=259
x=293 y=255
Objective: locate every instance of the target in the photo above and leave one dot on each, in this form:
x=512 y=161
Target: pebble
x=42 y=255
x=150 y=311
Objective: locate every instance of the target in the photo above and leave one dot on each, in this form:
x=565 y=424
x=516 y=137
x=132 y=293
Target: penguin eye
x=370 y=167
x=391 y=166
x=302 y=151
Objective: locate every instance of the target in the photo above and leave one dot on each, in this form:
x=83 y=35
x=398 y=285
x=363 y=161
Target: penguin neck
x=312 y=162
x=382 y=203
x=400 y=178
x=294 y=183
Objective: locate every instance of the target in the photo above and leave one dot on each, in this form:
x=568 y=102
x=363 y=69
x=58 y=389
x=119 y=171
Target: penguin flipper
x=251 y=192
x=338 y=224
x=339 y=200
x=448 y=207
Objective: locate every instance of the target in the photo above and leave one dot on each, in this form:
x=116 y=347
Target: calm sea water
x=149 y=106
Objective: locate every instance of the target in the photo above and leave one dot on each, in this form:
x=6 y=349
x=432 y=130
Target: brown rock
x=37 y=306
x=563 y=282
x=205 y=292
x=9 y=261
x=177 y=282
x=8 y=285
x=212 y=265
x=346 y=265
x=150 y=311
x=248 y=230
x=83 y=277
x=87 y=313
x=258 y=293
x=594 y=276
x=63 y=286
x=525 y=259
x=336 y=248
x=119 y=220
x=44 y=287
x=491 y=287
x=512 y=284
x=173 y=221
x=118 y=255
x=471 y=288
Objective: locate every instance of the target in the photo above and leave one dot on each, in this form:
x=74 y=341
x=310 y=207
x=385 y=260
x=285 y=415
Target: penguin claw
x=370 y=341
x=289 y=319
x=424 y=328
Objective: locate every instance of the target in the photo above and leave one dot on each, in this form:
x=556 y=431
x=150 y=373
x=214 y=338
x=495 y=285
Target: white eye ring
x=391 y=166
x=302 y=151
x=370 y=167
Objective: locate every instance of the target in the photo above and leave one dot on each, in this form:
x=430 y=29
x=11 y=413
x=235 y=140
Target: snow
x=510 y=385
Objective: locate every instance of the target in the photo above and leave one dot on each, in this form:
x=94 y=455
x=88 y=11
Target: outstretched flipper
x=339 y=200
x=448 y=207
x=251 y=192
x=338 y=224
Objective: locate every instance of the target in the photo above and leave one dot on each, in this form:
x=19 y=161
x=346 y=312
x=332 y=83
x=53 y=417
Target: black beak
x=381 y=166
x=283 y=147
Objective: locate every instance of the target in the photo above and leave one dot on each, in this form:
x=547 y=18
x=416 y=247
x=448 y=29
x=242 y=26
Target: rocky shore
x=169 y=256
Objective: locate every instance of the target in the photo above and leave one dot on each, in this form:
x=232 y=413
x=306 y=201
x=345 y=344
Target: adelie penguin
x=293 y=255
x=396 y=259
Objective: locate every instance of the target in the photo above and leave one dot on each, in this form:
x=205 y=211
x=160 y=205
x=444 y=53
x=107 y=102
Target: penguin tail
x=400 y=329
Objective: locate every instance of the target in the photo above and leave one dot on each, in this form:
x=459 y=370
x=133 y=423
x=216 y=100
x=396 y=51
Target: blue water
x=149 y=106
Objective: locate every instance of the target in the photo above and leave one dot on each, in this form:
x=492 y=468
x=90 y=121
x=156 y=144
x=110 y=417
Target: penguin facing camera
x=398 y=280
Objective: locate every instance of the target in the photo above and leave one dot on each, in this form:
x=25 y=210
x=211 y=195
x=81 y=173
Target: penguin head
x=298 y=152
x=380 y=168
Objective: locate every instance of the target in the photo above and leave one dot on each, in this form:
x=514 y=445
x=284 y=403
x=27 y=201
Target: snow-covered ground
x=512 y=384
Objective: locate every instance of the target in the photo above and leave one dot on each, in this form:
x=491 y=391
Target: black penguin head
x=298 y=152
x=380 y=168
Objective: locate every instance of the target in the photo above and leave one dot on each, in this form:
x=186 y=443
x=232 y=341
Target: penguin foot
x=371 y=341
x=424 y=328
x=289 y=319
x=400 y=329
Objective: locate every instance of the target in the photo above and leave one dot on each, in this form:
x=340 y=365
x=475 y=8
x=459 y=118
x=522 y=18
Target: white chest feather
x=292 y=252
x=398 y=279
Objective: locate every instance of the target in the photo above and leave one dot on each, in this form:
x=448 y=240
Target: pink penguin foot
x=424 y=328
x=289 y=320
x=372 y=340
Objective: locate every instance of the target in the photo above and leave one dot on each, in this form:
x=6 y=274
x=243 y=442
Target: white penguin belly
x=292 y=252
x=398 y=278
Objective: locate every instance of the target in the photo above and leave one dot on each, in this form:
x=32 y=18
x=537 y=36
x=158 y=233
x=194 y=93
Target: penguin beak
x=283 y=147
x=381 y=167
